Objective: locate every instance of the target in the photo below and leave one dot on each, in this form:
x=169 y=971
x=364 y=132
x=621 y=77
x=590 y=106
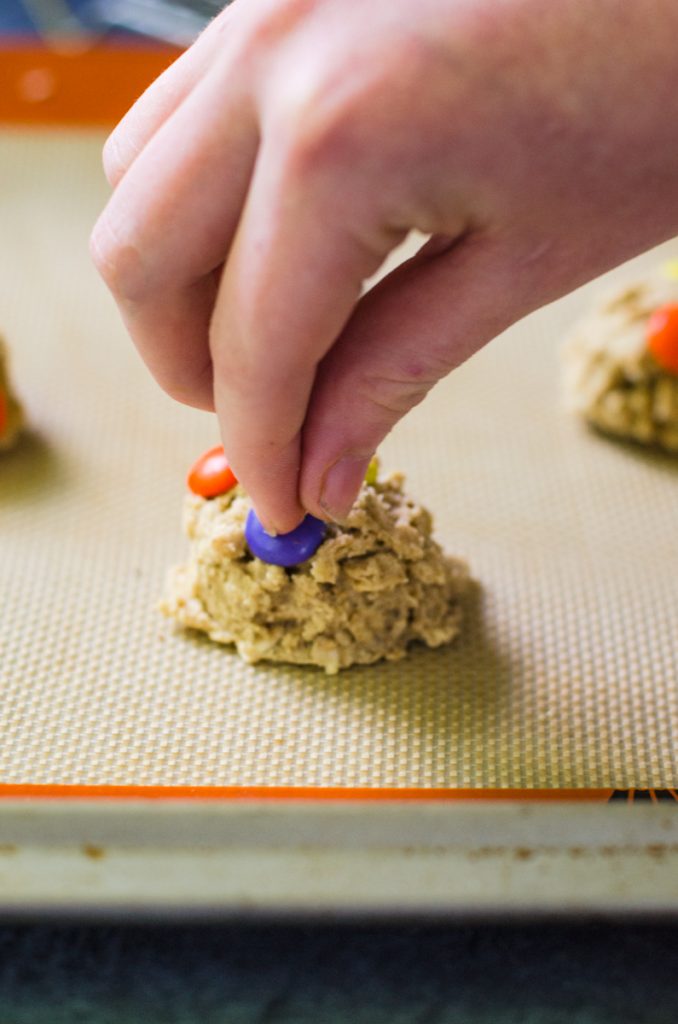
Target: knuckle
x=270 y=19
x=178 y=390
x=188 y=384
x=257 y=29
x=322 y=125
x=392 y=399
x=112 y=159
x=118 y=263
x=102 y=253
x=394 y=392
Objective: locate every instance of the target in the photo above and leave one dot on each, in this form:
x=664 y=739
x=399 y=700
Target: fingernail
x=280 y=528
x=341 y=485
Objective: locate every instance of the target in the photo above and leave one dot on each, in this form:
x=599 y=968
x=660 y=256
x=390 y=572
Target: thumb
x=406 y=334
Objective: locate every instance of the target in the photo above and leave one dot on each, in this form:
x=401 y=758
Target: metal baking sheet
x=565 y=675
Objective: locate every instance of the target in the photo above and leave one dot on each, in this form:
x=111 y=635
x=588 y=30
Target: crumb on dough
x=374 y=586
x=612 y=380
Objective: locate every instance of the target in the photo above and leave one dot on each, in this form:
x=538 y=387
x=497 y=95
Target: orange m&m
x=662 y=336
x=211 y=475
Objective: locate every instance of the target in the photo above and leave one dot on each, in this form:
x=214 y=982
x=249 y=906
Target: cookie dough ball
x=11 y=414
x=612 y=379
x=374 y=586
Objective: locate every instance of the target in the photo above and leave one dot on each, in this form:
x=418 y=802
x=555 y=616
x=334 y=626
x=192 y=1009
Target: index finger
x=293 y=276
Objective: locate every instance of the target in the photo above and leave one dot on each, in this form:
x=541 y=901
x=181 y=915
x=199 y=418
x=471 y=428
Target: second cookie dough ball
x=611 y=377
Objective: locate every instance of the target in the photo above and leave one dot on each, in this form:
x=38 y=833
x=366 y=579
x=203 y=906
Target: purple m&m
x=287 y=548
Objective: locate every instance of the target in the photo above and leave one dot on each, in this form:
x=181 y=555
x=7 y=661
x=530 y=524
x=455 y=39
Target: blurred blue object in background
x=14 y=19
x=39 y=17
x=172 y=21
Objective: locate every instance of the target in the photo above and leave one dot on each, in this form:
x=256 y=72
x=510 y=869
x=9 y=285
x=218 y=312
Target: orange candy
x=662 y=336
x=4 y=413
x=211 y=475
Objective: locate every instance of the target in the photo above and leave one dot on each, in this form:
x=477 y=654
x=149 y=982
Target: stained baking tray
x=144 y=770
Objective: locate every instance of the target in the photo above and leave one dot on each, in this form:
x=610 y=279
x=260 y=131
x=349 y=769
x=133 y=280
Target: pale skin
x=265 y=176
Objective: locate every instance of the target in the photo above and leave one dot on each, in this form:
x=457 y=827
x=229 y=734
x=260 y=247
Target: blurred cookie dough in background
x=621 y=362
x=328 y=595
x=11 y=413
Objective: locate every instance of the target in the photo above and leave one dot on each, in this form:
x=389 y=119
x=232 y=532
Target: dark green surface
x=293 y=975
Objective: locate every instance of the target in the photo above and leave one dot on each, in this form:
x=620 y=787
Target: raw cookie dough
x=374 y=585
x=11 y=414
x=611 y=378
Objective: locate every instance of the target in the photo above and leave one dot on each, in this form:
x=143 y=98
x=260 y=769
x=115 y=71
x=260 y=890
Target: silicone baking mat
x=566 y=672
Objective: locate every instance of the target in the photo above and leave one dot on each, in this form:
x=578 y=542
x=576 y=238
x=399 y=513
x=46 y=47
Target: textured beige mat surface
x=567 y=672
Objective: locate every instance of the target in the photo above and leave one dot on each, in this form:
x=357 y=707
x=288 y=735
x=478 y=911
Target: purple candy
x=287 y=548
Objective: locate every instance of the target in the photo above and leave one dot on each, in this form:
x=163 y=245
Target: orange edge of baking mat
x=321 y=793
x=75 y=85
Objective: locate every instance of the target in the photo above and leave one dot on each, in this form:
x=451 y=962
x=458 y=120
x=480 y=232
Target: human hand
x=270 y=170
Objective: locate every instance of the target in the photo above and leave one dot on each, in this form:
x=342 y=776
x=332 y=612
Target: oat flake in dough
x=610 y=377
x=374 y=586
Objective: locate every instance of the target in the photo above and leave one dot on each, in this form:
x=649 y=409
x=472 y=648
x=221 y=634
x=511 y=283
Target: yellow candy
x=670 y=270
x=372 y=471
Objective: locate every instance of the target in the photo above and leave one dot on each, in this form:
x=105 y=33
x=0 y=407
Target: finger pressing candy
x=211 y=475
x=286 y=549
x=662 y=336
